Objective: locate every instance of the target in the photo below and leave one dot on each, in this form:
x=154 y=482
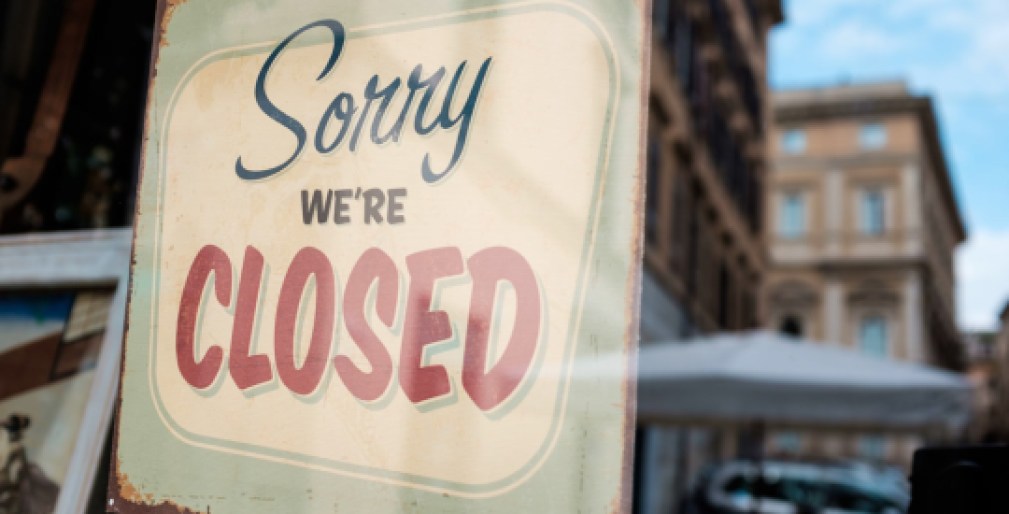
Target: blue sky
x=958 y=52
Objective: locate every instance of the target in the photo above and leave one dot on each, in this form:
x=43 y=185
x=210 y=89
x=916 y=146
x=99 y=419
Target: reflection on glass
x=49 y=344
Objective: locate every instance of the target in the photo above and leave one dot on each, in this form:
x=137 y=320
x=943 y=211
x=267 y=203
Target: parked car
x=780 y=487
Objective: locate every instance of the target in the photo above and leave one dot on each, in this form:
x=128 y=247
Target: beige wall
x=833 y=173
x=839 y=138
x=854 y=274
x=800 y=293
x=831 y=306
x=833 y=196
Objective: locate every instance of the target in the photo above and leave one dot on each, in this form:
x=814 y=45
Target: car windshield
x=806 y=491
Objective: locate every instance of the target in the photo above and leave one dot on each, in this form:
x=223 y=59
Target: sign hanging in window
x=386 y=259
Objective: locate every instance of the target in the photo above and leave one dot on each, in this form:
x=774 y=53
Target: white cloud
x=983 y=274
x=971 y=37
x=988 y=57
x=938 y=9
x=978 y=28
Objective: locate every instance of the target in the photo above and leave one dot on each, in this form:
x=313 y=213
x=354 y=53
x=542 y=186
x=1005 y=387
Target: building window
x=792 y=221
x=873 y=212
x=873 y=337
x=872 y=447
x=724 y=295
x=791 y=326
x=793 y=141
x=788 y=443
x=652 y=187
x=682 y=215
x=872 y=136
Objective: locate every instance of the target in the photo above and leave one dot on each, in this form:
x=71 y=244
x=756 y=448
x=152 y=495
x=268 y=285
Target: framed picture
x=62 y=307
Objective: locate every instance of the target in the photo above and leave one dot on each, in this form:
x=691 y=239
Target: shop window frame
x=78 y=260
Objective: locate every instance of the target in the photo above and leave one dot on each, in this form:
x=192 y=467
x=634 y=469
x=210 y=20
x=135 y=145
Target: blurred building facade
x=707 y=160
x=982 y=371
x=863 y=226
x=998 y=427
x=865 y=223
x=706 y=163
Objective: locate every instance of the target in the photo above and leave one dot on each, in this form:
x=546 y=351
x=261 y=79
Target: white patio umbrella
x=778 y=381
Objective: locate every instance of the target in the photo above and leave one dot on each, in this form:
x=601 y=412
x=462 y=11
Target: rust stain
x=130 y=493
x=125 y=498
x=622 y=503
x=166 y=9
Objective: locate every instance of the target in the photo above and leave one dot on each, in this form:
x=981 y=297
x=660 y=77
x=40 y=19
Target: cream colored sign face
x=371 y=250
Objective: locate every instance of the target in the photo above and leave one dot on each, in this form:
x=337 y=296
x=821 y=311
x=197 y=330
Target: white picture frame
x=78 y=259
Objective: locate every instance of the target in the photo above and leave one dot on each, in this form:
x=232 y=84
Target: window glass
x=873 y=336
x=49 y=346
x=872 y=212
x=793 y=141
x=788 y=442
x=792 y=221
x=872 y=447
x=872 y=136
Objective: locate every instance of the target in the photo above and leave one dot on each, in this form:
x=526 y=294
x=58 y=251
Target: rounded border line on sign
x=385 y=476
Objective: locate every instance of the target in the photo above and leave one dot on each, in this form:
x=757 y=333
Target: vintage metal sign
x=386 y=259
